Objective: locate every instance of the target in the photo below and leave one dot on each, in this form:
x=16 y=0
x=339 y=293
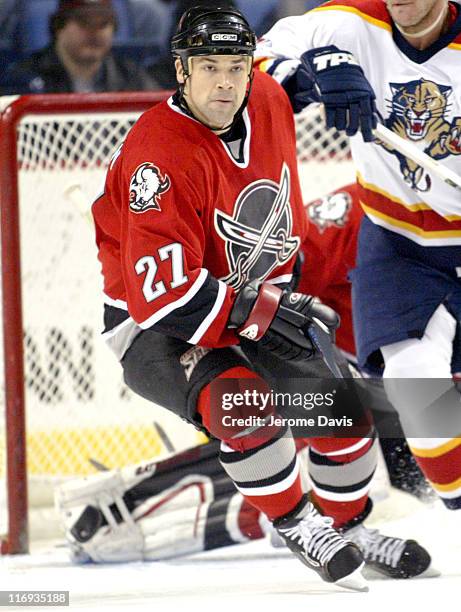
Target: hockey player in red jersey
x=329 y=254
x=198 y=230
x=220 y=516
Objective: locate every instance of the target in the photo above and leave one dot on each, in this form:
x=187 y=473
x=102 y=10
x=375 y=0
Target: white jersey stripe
x=115 y=330
x=116 y=303
x=394 y=227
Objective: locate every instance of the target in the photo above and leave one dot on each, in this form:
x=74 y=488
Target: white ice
x=253 y=576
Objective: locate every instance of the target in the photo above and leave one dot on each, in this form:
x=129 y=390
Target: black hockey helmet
x=212 y=30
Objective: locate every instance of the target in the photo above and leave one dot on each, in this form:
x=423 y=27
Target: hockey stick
x=411 y=151
x=407 y=148
x=168 y=444
x=321 y=338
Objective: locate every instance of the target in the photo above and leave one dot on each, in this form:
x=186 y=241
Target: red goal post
x=65 y=408
x=15 y=428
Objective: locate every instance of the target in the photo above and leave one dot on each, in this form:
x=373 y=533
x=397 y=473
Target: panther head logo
x=146 y=188
x=418 y=112
x=419 y=105
x=331 y=210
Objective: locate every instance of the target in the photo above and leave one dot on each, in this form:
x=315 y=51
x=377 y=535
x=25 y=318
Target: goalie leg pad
x=156 y=510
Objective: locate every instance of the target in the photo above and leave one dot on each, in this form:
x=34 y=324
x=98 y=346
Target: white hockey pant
x=428 y=357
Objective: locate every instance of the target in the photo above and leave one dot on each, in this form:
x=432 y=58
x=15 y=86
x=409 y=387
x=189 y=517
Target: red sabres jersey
x=329 y=254
x=187 y=218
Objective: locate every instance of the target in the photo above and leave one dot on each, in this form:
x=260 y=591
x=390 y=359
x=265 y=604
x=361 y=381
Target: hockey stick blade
x=98 y=465
x=408 y=149
x=321 y=339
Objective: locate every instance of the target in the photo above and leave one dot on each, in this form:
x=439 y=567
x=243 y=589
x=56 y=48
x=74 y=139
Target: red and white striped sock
x=263 y=466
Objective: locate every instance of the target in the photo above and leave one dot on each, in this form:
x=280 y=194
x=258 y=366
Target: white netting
x=324 y=156
x=77 y=408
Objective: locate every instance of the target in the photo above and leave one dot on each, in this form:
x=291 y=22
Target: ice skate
x=392 y=557
x=311 y=537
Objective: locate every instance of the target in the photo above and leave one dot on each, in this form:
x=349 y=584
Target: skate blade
x=372 y=574
x=354 y=581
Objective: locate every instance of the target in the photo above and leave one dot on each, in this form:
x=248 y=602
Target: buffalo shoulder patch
x=147 y=185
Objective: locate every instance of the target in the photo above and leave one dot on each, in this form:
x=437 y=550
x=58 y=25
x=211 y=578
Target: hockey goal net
x=65 y=411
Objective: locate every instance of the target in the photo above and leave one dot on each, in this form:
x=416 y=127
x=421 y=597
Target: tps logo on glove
x=347 y=96
x=331 y=60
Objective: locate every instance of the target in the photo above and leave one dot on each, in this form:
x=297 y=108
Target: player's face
x=216 y=87
x=415 y=13
x=86 y=41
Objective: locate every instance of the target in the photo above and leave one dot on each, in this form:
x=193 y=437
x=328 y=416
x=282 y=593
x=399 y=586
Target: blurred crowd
x=60 y=46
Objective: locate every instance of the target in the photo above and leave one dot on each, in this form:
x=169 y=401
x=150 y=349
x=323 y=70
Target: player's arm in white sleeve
x=279 y=52
x=312 y=57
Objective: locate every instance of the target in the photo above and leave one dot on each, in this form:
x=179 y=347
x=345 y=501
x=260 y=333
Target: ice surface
x=253 y=576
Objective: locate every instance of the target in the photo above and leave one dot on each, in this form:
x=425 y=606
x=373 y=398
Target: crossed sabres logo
x=273 y=238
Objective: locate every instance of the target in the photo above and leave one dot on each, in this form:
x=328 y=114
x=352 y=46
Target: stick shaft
x=408 y=149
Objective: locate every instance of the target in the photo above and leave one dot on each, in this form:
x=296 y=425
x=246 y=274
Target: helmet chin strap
x=440 y=18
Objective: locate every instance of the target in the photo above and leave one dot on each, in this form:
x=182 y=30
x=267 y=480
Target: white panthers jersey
x=418 y=97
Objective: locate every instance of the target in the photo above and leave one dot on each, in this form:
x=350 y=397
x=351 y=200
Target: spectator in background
x=80 y=57
x=152 y=23
x=8 y=20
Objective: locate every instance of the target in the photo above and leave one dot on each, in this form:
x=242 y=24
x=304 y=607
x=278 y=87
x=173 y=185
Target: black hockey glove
x=279 y=320
x=347 y=95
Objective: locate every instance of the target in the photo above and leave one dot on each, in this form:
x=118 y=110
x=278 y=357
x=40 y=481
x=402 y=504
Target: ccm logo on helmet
x=330 y=60
x=224 y=37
